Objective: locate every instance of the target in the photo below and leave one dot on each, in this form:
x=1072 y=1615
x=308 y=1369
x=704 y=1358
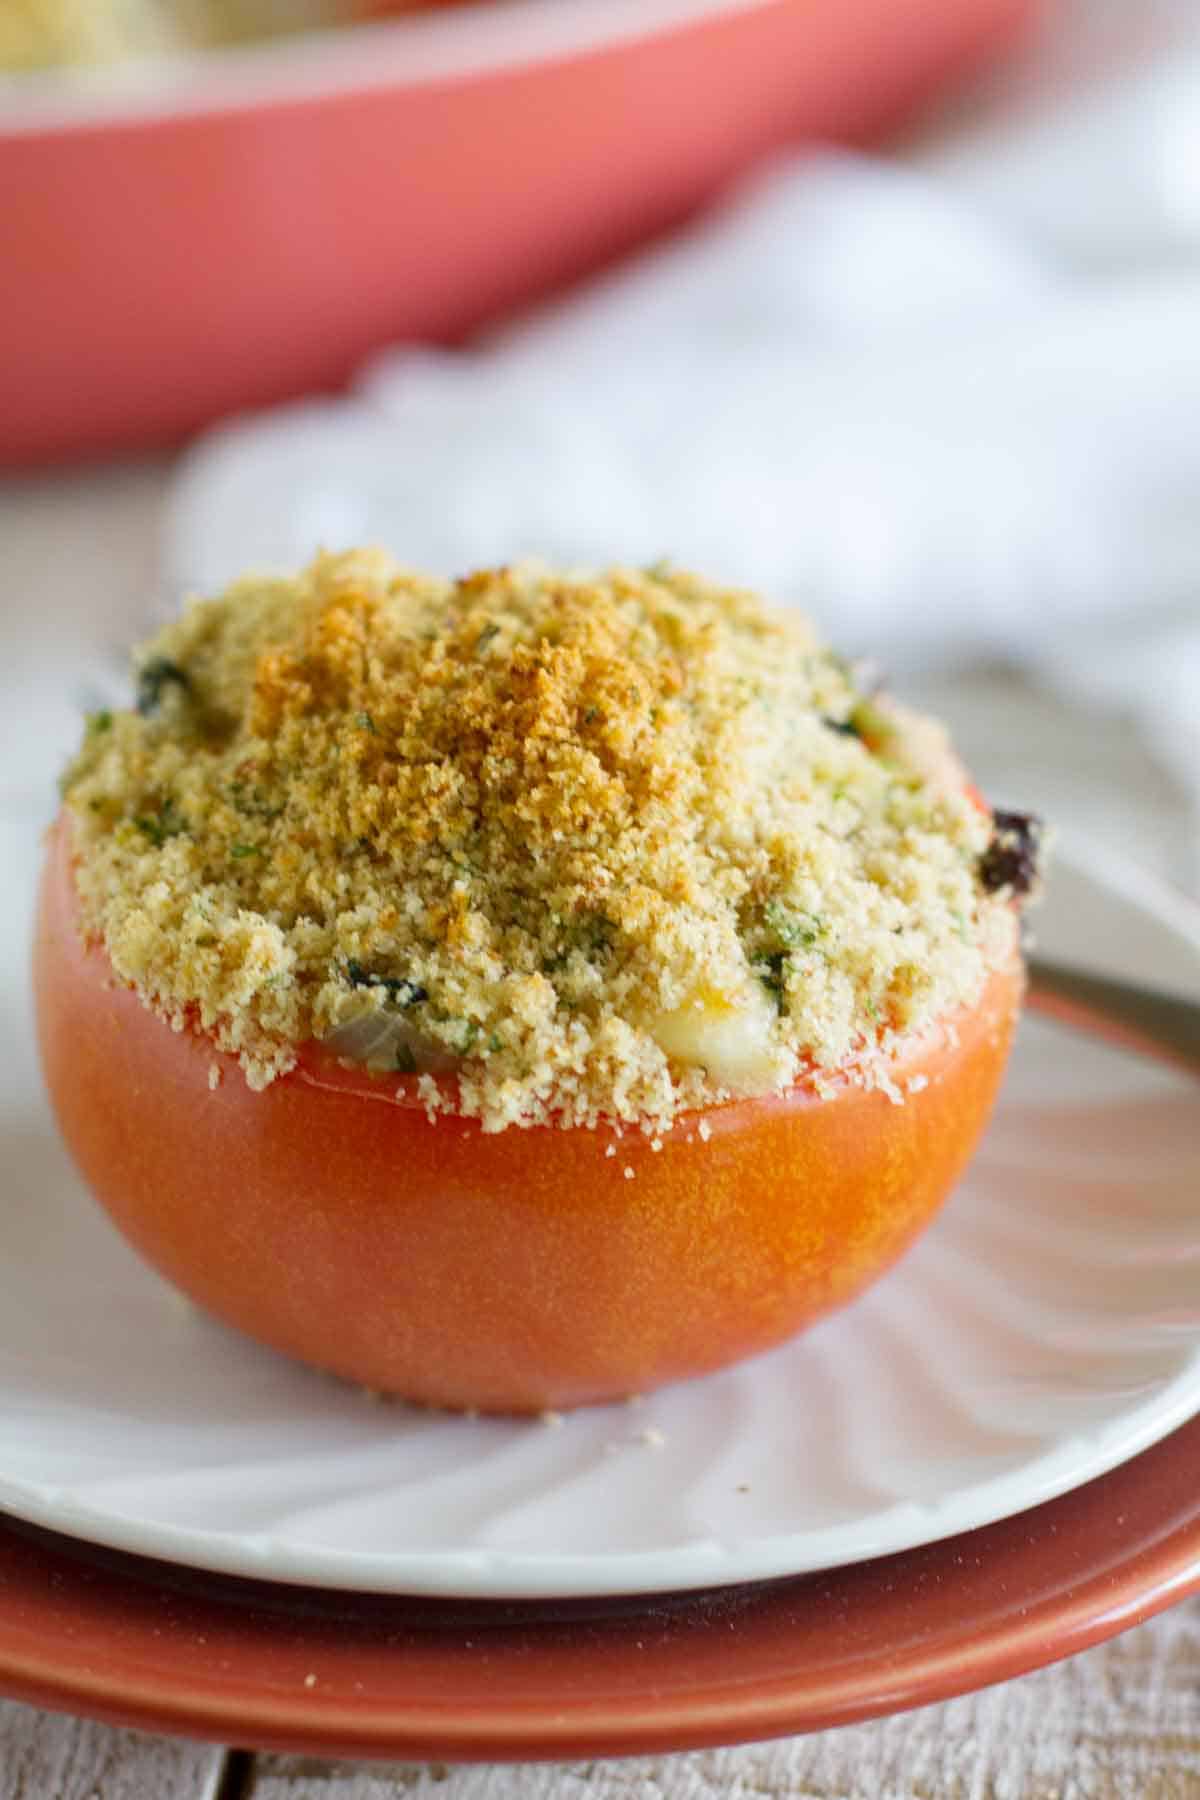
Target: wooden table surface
x=1121 y=1722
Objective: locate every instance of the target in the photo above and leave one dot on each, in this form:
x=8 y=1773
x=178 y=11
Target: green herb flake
x=98 y=722
x=167 y=822
x=240 y=851
x=795 y=930
x=365 y=722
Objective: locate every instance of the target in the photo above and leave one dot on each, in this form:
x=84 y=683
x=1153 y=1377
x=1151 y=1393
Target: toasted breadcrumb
x=568 y=848
x=38 y=34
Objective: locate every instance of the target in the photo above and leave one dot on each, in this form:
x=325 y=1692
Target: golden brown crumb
x=38 y=34
x=568 y=848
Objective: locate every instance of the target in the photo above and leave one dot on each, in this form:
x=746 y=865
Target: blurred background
x=888 y=308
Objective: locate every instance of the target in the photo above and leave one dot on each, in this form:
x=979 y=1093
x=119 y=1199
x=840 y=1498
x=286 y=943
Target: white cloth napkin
x=951 y=404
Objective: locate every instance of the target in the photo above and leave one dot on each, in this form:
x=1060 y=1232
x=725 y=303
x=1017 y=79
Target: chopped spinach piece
x=772 y=971
x=399 y=991
x=153 y=677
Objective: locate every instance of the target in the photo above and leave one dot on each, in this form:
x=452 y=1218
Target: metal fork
x=1144 y=1018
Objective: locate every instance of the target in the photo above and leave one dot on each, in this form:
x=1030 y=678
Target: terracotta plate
x=150 y=1644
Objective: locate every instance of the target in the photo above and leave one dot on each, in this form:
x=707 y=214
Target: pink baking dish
x=185 y=239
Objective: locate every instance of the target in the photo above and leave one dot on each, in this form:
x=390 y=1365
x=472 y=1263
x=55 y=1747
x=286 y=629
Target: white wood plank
x=1121 y=1722
x=47 y=1756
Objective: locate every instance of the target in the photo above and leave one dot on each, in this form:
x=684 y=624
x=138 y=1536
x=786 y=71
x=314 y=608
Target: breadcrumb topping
x=38 y=34
x=552 y=847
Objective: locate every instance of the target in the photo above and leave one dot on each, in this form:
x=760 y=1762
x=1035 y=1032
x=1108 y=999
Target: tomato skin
x=510 y=1271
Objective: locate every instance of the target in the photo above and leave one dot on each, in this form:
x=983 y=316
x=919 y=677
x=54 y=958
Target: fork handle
x=1142 y=1018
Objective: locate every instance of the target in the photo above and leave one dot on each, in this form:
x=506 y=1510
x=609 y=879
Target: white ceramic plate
x=1045 y=1330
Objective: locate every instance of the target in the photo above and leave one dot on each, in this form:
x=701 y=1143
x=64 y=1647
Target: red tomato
x=512 y=1271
